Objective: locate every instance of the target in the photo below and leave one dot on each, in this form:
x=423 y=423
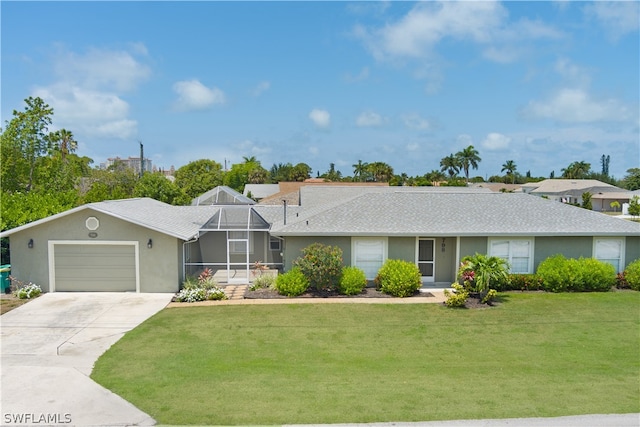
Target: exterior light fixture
x=442 y=245
x=150 y=244
x=30 y=244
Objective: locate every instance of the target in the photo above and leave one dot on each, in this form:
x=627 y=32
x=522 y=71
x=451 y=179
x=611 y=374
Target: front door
x=427 y=259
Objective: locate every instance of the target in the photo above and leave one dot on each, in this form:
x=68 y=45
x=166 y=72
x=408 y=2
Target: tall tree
x=604 y=161
x=451 y=165
x=468 y=158
x=63 y=142
x=576 y=170
x=380 y=171
x=360 y=171
x=157 y=186
x=198 y=177
x=25 y=140
x=631 y=181
x=510 y=167
x=332 y=174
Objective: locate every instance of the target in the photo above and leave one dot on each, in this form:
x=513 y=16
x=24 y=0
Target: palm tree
x=510 y=167
x=251 y=159
x=451 y=165
x=468 y=158
x=64 y=142
x=576 y=170
x=360 y=171
x=380 y=171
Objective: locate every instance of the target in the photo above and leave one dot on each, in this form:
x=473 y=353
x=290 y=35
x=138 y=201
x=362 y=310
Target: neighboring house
x=571 y=190
x=143 y=245
x=602 y=201
x=498 y=187
x=260 y=191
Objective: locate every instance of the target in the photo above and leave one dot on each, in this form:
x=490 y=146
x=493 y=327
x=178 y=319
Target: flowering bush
x=203 y=288
x=321 y=265
x=399 y=278
x=28 y=291
x=200 y=294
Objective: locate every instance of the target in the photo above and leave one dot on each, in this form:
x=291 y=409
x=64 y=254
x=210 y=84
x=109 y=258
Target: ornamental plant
x=560 y=274
x=292 y=283
x=353 y=281
x=321 y=265
x=399 y=278
x=457 y=298
x=27 y=291
x=479 y=272
x=632 y=275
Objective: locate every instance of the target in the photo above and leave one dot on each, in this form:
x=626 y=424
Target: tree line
x=42 y=175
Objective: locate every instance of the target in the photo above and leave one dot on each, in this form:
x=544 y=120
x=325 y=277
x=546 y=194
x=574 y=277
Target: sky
x=541 y=83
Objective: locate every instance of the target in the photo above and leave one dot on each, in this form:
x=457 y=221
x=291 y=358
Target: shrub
x=263 y=281
x=559 y=274
x=353 y=281
x=200 y=294
x=554 y=273
x=201 y=288
x=27 y=291
x=321 y=265
x=399 y=278
x=522 y=282
x=292 y=283
x=481 y=272
x=632 y=275
x=457 y=298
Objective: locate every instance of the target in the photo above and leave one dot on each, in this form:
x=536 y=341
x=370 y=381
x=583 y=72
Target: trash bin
x=5 y=283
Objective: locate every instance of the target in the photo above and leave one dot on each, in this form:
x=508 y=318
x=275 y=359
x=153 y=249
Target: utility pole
x=141 y=158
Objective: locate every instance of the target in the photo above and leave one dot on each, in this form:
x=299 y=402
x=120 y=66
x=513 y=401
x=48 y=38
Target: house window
x=275 y=244
x=238 y=241
x=369 y=254
x=611 y=251
x=517 y=252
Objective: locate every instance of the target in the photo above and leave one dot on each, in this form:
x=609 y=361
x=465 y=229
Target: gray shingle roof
x=411 y=213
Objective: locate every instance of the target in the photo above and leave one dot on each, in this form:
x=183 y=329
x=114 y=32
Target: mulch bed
x=366 y=293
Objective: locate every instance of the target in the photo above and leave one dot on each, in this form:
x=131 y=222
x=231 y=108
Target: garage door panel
x=95 y=267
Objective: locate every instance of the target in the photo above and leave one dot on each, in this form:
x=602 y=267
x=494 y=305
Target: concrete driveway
x=49 y=347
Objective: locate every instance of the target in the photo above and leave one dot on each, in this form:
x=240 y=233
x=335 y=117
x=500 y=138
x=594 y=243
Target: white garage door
x=94 y=267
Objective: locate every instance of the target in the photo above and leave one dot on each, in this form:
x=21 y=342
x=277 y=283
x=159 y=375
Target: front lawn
x=535 y=355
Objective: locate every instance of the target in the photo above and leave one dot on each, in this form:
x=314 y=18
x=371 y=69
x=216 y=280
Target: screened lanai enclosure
x=232 y=241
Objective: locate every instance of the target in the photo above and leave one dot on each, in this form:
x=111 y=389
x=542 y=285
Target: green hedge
x=632 y=275
x=292 y=283
x=560 y=274
x=353 y=281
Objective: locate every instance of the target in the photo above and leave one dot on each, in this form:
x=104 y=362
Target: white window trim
x=622 y=240
x=52 y=264
x=531 y=241
x=385 y=249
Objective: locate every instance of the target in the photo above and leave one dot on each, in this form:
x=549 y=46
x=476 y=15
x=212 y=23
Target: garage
x=93 y=266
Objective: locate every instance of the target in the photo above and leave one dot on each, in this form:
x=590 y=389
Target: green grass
x=536 y=355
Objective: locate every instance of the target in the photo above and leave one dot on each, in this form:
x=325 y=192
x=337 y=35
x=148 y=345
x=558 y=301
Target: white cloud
x=464 y=140
x=414 y=121
x=370 y=119
x=314 y=151
x=572 y=73
x=361 y=76
x=321 y=118
x=89 y=112
x=495 y=142
x=415 y=36
x=87 y=92
x=116 y=70
x=577 y=106
x=261 y=88
x=193 y=95
x=413 y=146
x=618 y=18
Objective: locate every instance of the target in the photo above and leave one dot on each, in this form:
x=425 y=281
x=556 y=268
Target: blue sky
x=540 y=83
